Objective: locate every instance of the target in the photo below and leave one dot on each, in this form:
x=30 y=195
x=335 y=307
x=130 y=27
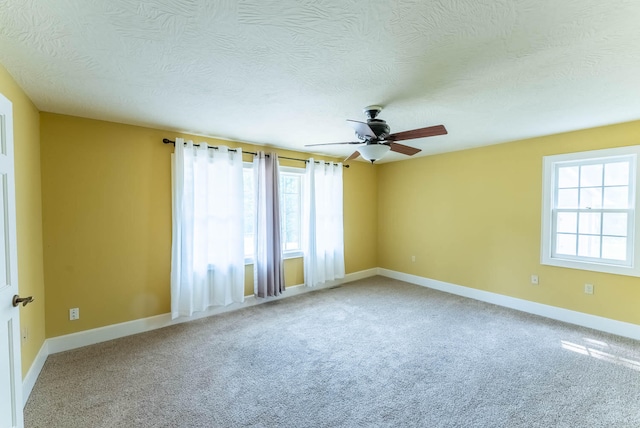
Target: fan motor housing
x=379 y=127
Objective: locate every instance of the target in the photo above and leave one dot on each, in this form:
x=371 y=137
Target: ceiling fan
x=376 y=138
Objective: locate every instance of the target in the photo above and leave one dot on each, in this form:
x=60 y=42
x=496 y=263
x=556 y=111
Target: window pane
x=566 y=244
x=292 y=184
x=590 y=223
x=614 y=248
x=568 y=198
x=591 y=198
x=614 y=224
x=591 y=175
x=296 y=185
x=285 y=183
x=568 y=176
x=291 y=211
x=588 y=246
x=248 y=244
x=616 y=197
x=291 y=221
x=616 y=173
x=567 y=222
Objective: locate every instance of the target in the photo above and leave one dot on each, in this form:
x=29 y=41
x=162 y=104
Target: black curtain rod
x=168 y=141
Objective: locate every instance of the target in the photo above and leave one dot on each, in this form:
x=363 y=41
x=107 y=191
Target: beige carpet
x=376 y=352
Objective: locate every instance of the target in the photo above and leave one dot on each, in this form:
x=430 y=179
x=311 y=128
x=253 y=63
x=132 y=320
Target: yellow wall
x=26 y=130
x=107 y=221
x=473 y=218
x=360 y=216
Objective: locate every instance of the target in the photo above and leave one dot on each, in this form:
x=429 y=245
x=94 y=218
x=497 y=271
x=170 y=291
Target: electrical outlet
x=413 y=258
x=534 y=279
x=74 y=314
x=588 y=288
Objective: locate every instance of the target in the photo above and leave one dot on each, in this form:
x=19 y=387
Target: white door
x=10 y=371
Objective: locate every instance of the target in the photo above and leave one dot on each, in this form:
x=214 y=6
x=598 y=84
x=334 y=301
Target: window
x=589 y=211
x=291 y=210
x=291 y=185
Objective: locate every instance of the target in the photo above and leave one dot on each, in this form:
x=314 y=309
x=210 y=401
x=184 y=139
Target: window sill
x=293 y=255
x=591 y=266
x=285 y=256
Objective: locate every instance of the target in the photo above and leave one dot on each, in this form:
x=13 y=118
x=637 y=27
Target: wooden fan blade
x=362 y=128
x=429 y=131
x=405 y=150
x=332 y=144
x=354 y=155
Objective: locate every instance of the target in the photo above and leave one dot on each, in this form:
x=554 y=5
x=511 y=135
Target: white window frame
x=292 y=254
x=286 y=254
x=630 y=267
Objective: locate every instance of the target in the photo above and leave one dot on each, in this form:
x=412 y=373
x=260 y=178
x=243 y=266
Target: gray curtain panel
x=268 y=271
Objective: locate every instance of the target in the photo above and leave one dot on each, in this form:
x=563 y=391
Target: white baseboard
x=102 y=334
x=607 y=325
x=350 y=277
x=29 y=380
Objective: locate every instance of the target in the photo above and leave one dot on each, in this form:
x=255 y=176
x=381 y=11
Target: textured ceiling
x=288 y=73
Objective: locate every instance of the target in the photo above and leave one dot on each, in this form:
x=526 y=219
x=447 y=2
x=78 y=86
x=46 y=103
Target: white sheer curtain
x=268 y=271
x=323 y=231
x=207 y=254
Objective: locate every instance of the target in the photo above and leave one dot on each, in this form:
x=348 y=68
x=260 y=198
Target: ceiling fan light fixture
x=373 y=152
